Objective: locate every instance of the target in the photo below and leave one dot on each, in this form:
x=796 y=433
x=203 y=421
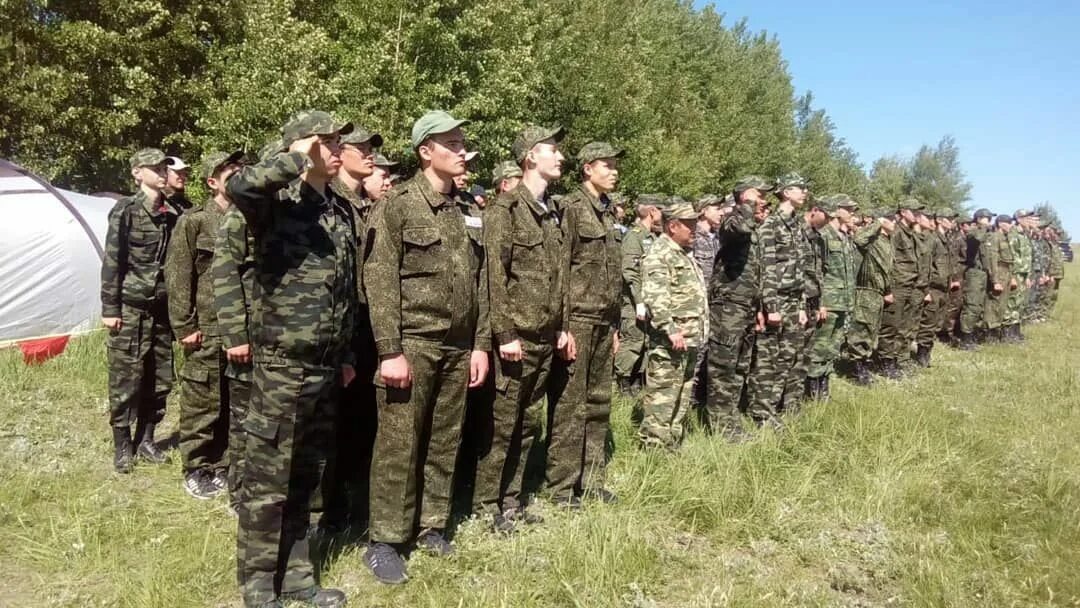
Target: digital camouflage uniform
x=579 y=412
x=1040 y=259
x=204 y=397
x=814 y=254
x=304 y=307
x=428 y=301
x=940 y=268
x=525 y=287
x=981 y=257
x=140 y=356
x=1021 y=269
x=873 y=281
x=900 y=319
x=837 y=297
x=733 y=304
x=629 y=359
x=706 y=245
x=233 y=271
x=673 y=289
x=1000 y=273
x=785 y=256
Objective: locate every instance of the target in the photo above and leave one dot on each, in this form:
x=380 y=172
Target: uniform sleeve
x=739 y=221
x=179 y=277
x=498 y=241
x=572 y=240
x=230 y=294
x=863 y=236
x=656 y=291
x=382 y=277
x=114 y=266
x=988 y=250
x=252 y=188
x=482 y=337
x=633 y=251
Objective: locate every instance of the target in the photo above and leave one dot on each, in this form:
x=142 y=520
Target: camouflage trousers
x=997 y=305
x=140 y=360
x=954 y=305
x=932 y=318
x=778 y=369
x=828 y=339
x=797 y=378
x=731 y=347
x=289 y=427
x=579 y=412
x=975 y=290
x=204 y=407
x=862 y=335
x=1018 y=297
x=669 y=380
x=631 y=356
x=513 y=427
x=899 y=323
x=238 y=379
x=416 y=445
x=1034 y=298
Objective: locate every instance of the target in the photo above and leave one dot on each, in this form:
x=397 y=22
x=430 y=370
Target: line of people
x=370 y=351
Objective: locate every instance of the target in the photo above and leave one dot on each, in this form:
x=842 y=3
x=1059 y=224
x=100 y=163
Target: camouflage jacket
x=980 y=256
x=941 y=261
x=635 y=245
x=907 y=268
x=1022 y=252
x=958 y=252
x=814 y=253
x=233 y=270
x=706 y=245
x=1040 y=257
x=360 y=207
x=425 y=274
x=674 y=290
x=875 y=269
x=1055 y=267
x=187 y=271
x=525 y=274
x=132 y=273
x=785 y=258
x=594 y=255
x=305 y=264
x=838 y=278
x=737 y=265
x=1001 y=270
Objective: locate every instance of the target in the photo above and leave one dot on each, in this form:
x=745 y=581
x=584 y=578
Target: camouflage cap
x=532 y=135
x=709 y=200
x=981 y=213
x=910 y=204
x=385 y=163
x=505 y=170
x=216 y=160
x=270 y=148
x=1023 y=213
x=947 y=214
x=752 y=181
x=846 y=202
x=361 y=135
x=433 y=123
x=596 y=150
x=729 y=201
x=789 y=180
x=655 y=200
x=147 y=157
x=679 y=209
x=312 y=122
x=825 y=203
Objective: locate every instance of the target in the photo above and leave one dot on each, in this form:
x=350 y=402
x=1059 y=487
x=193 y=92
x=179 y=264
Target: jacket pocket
x=420 y=249
x=261 y=426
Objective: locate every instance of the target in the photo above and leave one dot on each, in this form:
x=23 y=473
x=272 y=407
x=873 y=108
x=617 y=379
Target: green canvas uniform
x=423 y=278
x=873 y=282
x=940 y=274
x=579 y=409
x=302 y=324
x=1001 y=273
x=204 y=398
x=628 y=360
x=673 y=289
x=957 y=244
x=140 y=356
x=837 y=296
x=899 y=319
x=981 y=257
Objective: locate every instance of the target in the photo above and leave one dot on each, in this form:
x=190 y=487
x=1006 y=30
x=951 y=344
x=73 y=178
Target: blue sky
x=1002 y=77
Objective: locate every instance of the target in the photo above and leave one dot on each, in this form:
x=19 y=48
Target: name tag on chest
x=474 y=222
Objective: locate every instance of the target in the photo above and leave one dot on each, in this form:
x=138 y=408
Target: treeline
x=698 y=101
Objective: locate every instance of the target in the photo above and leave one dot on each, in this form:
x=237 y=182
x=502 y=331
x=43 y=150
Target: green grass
x=960 y=487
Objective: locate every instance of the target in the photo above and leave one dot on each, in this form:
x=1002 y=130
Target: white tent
x=51 y=247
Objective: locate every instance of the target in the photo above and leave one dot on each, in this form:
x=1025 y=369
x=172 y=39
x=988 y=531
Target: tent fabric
x=50 y=257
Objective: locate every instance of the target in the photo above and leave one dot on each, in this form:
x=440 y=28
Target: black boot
x=967 y=342
x=922 y=356
x=1019 y=335
x=811 y=391
x=890 y=370
x=147 y=450
x=823 y=387
x=863 y=377
x=981 y=336
x=122 y=449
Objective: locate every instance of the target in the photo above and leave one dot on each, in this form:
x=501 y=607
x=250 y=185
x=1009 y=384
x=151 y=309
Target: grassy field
x=960 y=487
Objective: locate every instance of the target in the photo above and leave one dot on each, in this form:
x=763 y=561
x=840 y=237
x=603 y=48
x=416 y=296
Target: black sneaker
x=602 y=495
x=503 y=524
x=318 y=597
x=200 y=484
x=434 y=543
x=385 y=563
x=149 y=452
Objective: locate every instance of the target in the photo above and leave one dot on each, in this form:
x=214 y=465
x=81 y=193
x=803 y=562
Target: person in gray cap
x=134 y=309
x=302 y=330
x=425 y=278
x=979 y=259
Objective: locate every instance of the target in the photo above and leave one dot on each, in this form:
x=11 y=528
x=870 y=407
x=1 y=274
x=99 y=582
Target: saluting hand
x=395 y=371
x=305 y=145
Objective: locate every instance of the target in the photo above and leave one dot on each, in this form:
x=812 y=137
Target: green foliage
x=1047 y=212
x=933 y=175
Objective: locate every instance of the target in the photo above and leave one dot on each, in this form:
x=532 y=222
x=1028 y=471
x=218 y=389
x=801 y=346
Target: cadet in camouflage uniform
x=674 y=292
x=525 y=286
x=204 y=399
x=873 y=289
x=1001 y=279
x=381 y=179
x=344 y=490
x=956 y=242
x=980 y=258
x=733 y=306
x=837 y=292
x=1040 y=259
x=302 y=325
x=785 y=256
x=135 y=311
x=941 y=260
x=579 y=406
x=706 y=244
x=1022 y=251
x=428 y=300
x=900 y=318
x=815 y=219
x=635 y=244
x=506 y=176
x=1055 y=270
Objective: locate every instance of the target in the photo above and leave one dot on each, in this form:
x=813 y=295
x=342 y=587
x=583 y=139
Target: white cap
x=176 y=164
x=471 y=155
